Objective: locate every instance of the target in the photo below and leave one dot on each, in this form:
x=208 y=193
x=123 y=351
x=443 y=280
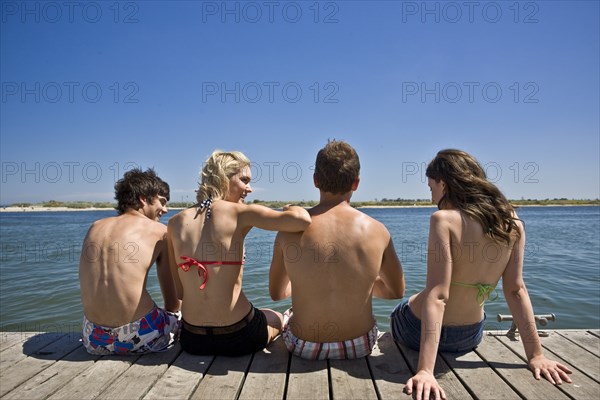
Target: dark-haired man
x=120 y=317
x=334 y=267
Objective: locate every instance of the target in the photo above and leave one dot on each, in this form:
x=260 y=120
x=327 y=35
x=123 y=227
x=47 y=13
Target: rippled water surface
x=39 y=255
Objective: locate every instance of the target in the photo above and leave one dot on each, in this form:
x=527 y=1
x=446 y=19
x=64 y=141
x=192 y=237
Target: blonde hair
x=218 y=169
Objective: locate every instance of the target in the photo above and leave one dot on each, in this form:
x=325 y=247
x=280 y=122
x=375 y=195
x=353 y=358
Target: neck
x=331 y=200
x=135 y=213
x=445 y=204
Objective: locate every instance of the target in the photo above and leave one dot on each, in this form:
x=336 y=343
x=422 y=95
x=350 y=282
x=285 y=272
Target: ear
x=315 y=181
x=143 y=202
x=355 y=184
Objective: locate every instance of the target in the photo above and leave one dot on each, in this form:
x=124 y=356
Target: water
x=39 y=255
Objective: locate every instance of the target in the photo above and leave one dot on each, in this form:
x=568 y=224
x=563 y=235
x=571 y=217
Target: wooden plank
x=224 y=378
x=48 y=381
x=586 y=362
x=36 y=342
x=388 y=369
x=94 y=380
x=584 y=339
x=595 y=332
x=444 y=375
x=55 y=372
x=40 y=360
x=267 y=373
x=514 y=371
x=583 y=387
x=9 y=339
x=351 y=379
x=181 y=378
x=308 y=379
x=477 y=375
x=139 y=378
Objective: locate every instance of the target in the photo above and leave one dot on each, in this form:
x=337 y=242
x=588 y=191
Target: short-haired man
x=120 y=317
x=334 y=267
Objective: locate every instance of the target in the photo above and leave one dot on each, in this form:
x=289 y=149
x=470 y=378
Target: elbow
x=281 y=294
x=443 y=297
x=302 y=217
x=439 y=297
x=276 y=295
x=298 y=223
x=304 y=221
x=401 y=290
x=516 y=290
x=398 y=293
x=173 y=306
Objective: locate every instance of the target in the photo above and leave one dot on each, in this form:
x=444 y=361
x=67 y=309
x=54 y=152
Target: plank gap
x=373 y=378
x=574 y=341
x=501 y=376
x=329 y=381
x=555 y=356
x=594 y=332
x=195 y=387
x=287 y=374
x=243 y=381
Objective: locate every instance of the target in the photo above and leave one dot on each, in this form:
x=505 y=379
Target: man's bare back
x=115 y=259
x=120 y=317
x=339 y=262
x=333 y=267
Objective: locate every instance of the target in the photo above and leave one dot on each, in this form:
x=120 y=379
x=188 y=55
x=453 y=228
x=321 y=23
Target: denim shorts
x=406 y=330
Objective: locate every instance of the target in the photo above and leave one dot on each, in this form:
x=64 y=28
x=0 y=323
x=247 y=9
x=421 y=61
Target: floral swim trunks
x=154 y=332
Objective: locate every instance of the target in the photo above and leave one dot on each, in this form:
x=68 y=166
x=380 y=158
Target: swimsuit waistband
x=220 y=330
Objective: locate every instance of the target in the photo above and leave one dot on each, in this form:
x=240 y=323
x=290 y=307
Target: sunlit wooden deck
x=55 y=366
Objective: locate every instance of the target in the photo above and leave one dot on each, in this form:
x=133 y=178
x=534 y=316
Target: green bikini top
x=483 y=290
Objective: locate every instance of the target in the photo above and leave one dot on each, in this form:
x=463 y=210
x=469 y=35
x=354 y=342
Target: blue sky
x=90 y=89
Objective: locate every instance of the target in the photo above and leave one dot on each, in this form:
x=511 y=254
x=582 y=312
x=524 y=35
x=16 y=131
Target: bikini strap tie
x=206 y=205
x=483 y=289
x=201 y=269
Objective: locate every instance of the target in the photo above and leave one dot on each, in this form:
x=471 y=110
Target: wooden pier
x=55 y=366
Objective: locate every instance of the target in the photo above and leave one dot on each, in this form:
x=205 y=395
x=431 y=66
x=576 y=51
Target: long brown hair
x=468 y=189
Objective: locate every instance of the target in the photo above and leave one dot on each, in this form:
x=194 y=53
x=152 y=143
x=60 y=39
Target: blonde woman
x=207 y=256
x=475 y=238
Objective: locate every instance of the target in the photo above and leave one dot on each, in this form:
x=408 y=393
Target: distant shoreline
x=9 y=209
x=44 y=209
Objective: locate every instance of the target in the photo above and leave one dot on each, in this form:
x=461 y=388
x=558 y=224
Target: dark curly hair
x=337 y=167
x=469 y=190
x=136 y=184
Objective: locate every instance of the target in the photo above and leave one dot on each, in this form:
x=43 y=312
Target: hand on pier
x=425 y=385
x=553 y=371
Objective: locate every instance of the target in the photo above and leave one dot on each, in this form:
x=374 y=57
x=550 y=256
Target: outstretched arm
x=280 y=286
x=520 y=306
x=390 y=282
x=436 y=292
x=291 y=219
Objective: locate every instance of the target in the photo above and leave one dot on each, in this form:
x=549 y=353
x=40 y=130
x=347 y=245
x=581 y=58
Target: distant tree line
x=311 y=203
